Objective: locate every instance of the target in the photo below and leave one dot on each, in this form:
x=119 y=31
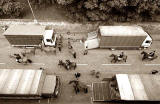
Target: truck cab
x=147 y=42
x=49 y=38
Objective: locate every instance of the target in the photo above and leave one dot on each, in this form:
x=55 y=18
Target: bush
x=11 y=8
x=117 y=10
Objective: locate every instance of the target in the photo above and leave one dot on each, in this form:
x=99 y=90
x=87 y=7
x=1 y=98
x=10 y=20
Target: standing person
x=59 y=46
x=86 y=51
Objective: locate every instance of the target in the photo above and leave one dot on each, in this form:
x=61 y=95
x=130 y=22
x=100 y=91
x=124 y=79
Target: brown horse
x=116 y=58
x=147 y=56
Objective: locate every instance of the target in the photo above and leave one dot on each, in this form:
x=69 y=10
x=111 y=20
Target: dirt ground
x=93 y=61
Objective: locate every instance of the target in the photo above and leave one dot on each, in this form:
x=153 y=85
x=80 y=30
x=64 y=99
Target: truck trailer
x=127 y=87
x=119 y=37
x=28 y=84
x=30 y=35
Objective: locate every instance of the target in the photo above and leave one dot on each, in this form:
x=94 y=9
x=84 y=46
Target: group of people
x=77 y=85
x=20 y=58
x=151 y=54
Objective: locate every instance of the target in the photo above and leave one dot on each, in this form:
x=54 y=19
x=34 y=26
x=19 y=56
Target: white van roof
x=48 y=34
x=122 y=31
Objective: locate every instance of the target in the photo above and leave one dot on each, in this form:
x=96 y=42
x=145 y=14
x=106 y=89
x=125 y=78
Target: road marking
x=116 y=64
x=82 y=64
x=152 y=64
x=89 y=85
x=91 y=100
x=38 y=63
x=2 y=63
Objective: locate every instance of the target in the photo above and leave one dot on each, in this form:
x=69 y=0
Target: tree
x=117 y=10
x=11 y=8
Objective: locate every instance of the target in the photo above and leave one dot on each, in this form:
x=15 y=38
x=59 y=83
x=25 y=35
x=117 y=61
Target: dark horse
x=67 y=65
x=116 y=58
x=79 y=86
x=148 y=56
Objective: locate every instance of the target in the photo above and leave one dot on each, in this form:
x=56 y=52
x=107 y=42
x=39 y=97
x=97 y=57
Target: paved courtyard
x=97 y=59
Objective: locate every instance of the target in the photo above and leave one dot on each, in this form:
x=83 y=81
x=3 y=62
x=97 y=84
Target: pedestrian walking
x=86 y=51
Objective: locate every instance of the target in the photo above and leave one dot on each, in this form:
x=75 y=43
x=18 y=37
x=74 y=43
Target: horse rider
x=18 y=57
x=121 y=55
x=152 y=53
x=68 y=62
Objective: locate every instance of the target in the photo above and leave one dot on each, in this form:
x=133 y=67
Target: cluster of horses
x=21 y=58
x=122 y=57
x=68 y=65
x=79 y=86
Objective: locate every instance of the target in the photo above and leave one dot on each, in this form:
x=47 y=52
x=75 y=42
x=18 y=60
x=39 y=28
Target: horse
x=67 y=65
x=147 y=56
x=117 y=58
x=79 y=86
x=24 y=60
x=71 y=64
x=61 y=63
x=72 y=52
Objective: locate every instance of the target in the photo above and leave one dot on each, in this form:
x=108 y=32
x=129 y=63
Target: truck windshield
x=49 y=40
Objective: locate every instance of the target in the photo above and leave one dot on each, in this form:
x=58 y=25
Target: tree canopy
x=11 y=8
x=117 y=10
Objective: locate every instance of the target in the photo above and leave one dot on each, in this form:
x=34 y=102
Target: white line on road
x=2 y=63
x=38 y=63
x=82 y=64
x=152 y=64
x=116 y=64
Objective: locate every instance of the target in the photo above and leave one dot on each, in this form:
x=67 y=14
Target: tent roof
x=122 y=31
x=25 y=30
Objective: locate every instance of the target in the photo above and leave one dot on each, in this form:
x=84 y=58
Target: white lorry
x=30 y=35
x=127 y=87
x=119 y=37
x=28 y=84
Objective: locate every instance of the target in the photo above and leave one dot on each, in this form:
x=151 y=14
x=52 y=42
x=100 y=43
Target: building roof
x=25 y=30
x=122 y=31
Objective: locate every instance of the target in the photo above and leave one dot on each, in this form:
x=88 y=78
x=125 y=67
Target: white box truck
x=28 y=84
x=119 y=37
x=30 y=35
x=127 y=87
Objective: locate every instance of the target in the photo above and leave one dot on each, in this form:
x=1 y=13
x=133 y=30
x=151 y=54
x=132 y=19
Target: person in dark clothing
x=77 y=75
x=86 y=51
x=121 y=55
x=74 y=55
x=18 y=57
x=152 y=53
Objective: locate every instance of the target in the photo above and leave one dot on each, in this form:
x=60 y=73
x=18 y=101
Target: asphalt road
x=97 y=59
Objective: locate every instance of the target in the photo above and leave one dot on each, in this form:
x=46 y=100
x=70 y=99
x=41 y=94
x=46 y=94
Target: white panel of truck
x=138 y=87
x=3 y=78
x=91 y=44
x=25 y=82
x=124 y=86
x=12 y=82
x=36 y=81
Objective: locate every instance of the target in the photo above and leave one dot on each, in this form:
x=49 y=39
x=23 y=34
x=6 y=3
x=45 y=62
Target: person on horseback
x=18 y=57
x=121 y=55
x=152 y=53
